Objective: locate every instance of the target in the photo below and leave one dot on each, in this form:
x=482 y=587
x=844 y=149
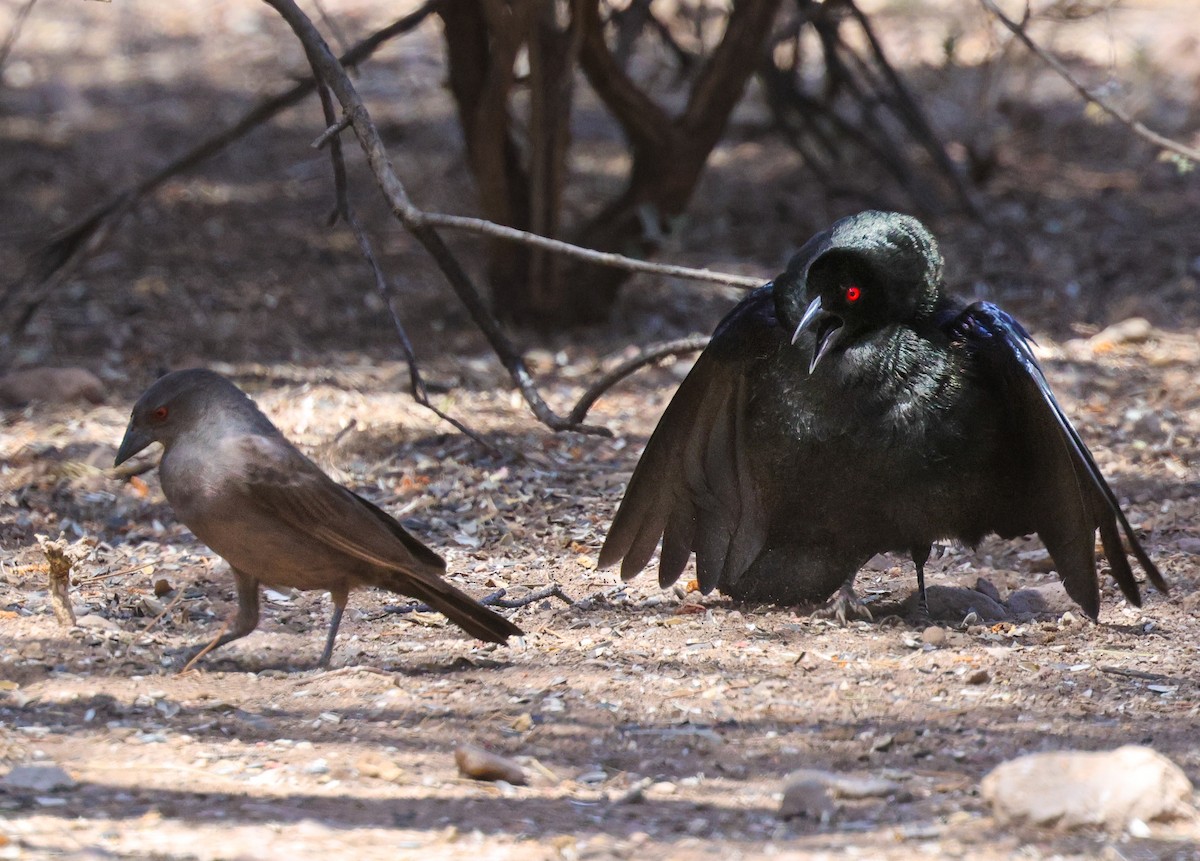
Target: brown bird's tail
x=457 y=606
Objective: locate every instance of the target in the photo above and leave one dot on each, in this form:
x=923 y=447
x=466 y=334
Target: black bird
x=275 y=517
x=850 y=408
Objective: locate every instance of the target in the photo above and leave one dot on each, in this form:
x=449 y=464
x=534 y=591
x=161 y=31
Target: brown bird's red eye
x=160 y=414
x=853 y=293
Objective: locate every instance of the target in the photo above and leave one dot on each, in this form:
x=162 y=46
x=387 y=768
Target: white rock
x=37 y=778
x=1074 y=788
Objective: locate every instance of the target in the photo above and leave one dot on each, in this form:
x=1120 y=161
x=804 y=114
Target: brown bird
x=275 y=517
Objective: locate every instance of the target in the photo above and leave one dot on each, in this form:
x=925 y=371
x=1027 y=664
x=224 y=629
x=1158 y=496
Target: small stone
x=317 y=766
x=934 y=635
x=1049 y=598
x=978 y=677
x=379 y=767
x=954 y=603
x=37 y=778
x=1073 y=788
x=479 y=764
x=91 y=620
x=808 y=799
x=1135 y=330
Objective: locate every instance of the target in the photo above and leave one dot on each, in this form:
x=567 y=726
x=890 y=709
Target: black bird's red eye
x=853 y=293
x=160 y=414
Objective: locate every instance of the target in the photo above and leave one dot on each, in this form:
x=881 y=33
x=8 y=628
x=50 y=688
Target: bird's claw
x=843 y=607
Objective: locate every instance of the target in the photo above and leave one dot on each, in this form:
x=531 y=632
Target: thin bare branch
x=326 y=66
x=603 y=258
x=15 y=30
x=649 y=356
x=53 y=263
x=1119 y=114
x=344 y=210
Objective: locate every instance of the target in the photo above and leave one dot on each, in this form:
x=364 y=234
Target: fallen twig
x=495 y=599
x=1133 y=674
x=167 y=609
x=649 y=356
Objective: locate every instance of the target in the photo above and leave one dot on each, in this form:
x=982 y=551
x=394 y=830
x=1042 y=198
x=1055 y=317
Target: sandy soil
x=651 y=723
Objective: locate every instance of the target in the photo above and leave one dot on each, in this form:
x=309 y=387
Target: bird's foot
x=844 y=606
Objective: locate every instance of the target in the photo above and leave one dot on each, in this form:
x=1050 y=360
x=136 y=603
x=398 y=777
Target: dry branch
x=51 y=265
x=1119 y=114
x=344 y=211
x=649 y=356
x=15 y=30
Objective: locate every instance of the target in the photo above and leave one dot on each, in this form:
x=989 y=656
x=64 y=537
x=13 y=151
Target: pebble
x=37 y=778
x=1049 y=598
x=1134 y=330
x=807 y=799
x=978 y=677
x=1070 y=789
x=317 y=766
x=934 y=635
x=479 y=764
x=91 y=620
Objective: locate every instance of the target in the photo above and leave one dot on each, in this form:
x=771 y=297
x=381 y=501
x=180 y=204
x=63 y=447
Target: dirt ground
x=651 y=723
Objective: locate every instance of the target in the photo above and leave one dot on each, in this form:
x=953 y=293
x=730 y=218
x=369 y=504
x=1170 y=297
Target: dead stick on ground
x=495 y=599
x=165 y=610
x=1117 y=113
x=1134 y=674
x=60 y=559
x=649 y=356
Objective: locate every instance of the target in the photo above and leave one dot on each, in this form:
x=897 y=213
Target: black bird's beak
x=135 y=440
x=827 y=326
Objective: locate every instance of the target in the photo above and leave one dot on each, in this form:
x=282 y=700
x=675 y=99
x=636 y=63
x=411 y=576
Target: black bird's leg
x=845 y=604
x=245 y=621
x=920 y=555
x=339 y=597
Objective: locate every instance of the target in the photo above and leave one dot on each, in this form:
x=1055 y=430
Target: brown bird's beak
x=826 y=325
x=135 y=440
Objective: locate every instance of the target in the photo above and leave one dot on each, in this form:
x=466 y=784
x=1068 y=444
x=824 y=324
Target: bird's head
x=866 y=272
x=181 y=402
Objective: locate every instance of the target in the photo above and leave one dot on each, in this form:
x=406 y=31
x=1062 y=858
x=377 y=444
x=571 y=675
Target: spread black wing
x=1070 y=498
x=693 y=485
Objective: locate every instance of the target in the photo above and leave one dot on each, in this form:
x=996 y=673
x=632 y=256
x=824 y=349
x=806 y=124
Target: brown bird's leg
x=245 y=621
x=339 y=596
x=920 y=555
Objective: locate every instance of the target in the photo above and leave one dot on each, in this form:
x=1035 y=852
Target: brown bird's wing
x=290 y=487
x=1071 y=499
x=693 y=485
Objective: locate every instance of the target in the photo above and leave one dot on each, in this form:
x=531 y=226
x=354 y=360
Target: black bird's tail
x=456 y=605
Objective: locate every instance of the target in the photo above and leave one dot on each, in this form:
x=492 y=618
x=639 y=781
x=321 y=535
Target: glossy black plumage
x=850 y=408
